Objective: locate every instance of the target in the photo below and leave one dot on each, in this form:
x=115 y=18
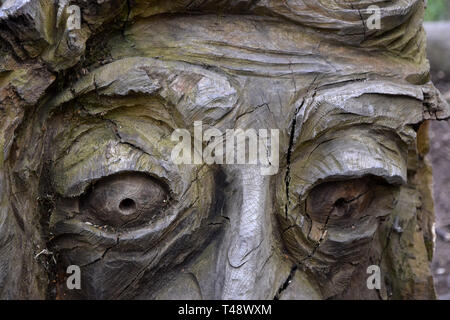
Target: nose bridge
x=249 y=245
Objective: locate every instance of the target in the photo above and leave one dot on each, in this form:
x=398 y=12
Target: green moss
x=437 y=10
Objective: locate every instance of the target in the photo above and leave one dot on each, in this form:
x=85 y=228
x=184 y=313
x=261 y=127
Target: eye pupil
x=340 y=202
x=127 y=206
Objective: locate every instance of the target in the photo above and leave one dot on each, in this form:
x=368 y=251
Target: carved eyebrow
x=383 y=104
x=89 y=150
x=355 y=129
x=353 y=96
x=72 y=181
x=121 y=77
x=181 y=88
x=116 y=79
x=350 y=153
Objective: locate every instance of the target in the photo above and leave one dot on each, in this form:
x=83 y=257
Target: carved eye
x=124 y=200
x=338 y=202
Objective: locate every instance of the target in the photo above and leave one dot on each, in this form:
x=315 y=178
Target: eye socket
x=342 y=202
x=124 y=200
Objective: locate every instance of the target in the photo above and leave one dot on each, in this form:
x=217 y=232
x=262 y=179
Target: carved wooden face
x=139 y=225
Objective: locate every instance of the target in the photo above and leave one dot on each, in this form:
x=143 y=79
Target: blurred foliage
x=437 y=10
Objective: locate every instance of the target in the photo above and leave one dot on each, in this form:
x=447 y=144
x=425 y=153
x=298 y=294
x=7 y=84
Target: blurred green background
x=438 y=10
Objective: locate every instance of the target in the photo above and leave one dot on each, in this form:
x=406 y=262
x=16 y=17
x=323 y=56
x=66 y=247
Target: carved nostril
x=127 y=206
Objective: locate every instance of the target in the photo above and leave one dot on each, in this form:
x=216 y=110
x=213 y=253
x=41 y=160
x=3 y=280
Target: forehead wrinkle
x=259 y=46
